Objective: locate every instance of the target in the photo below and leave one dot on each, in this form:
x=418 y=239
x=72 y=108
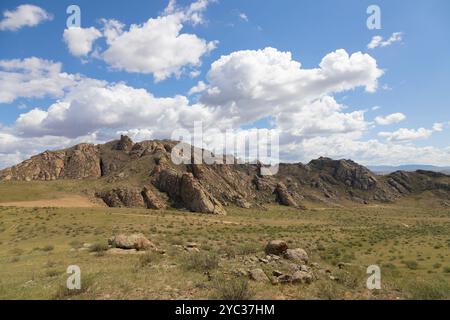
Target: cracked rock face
x=284 y=197
x=188 y=191
x=123 y=198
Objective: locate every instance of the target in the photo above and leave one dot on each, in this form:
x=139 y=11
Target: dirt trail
x=65 y=202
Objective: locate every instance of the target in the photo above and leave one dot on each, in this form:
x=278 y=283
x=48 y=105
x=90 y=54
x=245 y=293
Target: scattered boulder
x=258 y=275
x=297 y=255
x=302 y=277
x=135 y=241
x=277 y=273
x=276 y=247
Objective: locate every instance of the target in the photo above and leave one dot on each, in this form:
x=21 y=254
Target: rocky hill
x=143 y=175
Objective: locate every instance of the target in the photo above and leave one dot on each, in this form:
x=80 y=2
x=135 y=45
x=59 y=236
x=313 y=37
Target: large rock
x=198 y=199
x=297 y=255
x=151 y=200
x=79 y=162
x=276 y=247
x=124 y=144
x=284 y=197
x=123 y=198
x=344 y=171
x=135 y=241
x=186 y=189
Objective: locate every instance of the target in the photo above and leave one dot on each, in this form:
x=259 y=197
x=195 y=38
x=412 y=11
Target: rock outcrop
x=142 y=175
x=345 y=171
x=187 y=191
x=123 y=197
x=151 y=200
x=284 y=197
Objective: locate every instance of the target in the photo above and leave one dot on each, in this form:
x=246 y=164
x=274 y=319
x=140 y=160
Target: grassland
x=408 y=240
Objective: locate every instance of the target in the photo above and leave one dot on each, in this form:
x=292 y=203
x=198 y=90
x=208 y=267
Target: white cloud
x=96 y=105
x=243 y=16
x=377 y=41
x=406 y=135
x=80 y=40
x=321 y=117
x=25 y=15
x=241 y=88
x=32 y=78
x=375 y=108
x=250 y=85
x=200 y=87
x=438 y=126
x=158 y=46
x=390 y=119
x=371 y=152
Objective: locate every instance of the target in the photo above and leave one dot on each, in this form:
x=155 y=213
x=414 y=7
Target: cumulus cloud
x=80 y=40
x=253 y=84
x=371 y=152
x=390 y=119
x=241 y=88
x=32 y=78
x=25 y=15
x=158 y=46
x=378 y=41
x=200 y=87
x=407 y=135
x=96 y=105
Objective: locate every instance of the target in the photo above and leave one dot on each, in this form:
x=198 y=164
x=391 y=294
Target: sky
x=312 y=71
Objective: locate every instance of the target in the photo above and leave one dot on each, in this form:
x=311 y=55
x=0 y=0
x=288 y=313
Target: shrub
x=52 y=273
x=247 y=248
x=147 y=259
x=64 y=293
x=327 y=290
x=413 y=265
x=201 y=261
x=233 y=289
x=75 y=244
x=438 y=289
x=48 y=248
x=99 y=247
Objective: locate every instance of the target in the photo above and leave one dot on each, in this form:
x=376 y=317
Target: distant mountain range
x=408 y=167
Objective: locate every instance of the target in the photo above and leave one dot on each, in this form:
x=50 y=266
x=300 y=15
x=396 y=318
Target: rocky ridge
x=142 y=175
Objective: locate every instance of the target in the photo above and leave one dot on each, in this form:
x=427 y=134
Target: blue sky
x=415 y=82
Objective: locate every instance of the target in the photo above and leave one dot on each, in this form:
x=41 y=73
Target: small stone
x=258 y=275
x=277 y=273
